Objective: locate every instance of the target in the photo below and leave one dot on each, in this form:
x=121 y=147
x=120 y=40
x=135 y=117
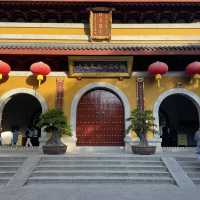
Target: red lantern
x=193 y=69
x=4 y=69
x=158 y=69
x=40 y=69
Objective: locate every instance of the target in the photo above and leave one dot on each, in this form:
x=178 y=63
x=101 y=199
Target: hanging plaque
x=100 y=23
x=100 y=66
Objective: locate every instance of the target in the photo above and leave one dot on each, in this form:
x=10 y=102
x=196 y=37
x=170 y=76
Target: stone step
x=191 y=168
x=102 y=162
x=100 y=167
x=79 y=158
x=186 y=159
x=7 y=158
x=196 y=181
x=8 y=168
x=194 y=174
x=10 y=163
x=7 y=174
x=100 y=180
x=185 y=163
x=100 y=173
x=4 y=180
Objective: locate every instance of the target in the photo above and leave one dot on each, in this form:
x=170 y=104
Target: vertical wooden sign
x=140 y=93
x=100 y=23
x=59 y=94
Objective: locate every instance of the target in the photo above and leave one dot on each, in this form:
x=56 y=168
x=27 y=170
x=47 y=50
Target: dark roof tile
x=99 y=47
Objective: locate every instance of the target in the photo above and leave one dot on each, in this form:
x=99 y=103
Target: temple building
x=105 y=58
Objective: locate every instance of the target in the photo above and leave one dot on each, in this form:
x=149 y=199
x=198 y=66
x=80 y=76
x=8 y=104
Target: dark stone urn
x=143 y=150
x=54 y=144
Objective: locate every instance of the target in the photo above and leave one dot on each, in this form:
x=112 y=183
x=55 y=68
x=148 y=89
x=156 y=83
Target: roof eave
x=35 y=51
x=108 y=1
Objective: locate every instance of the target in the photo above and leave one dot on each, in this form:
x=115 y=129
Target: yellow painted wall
x=157 y=31
x=85 y=31
x=72 y=86
x=40 y=30
x=151 y=91
x=35 y=34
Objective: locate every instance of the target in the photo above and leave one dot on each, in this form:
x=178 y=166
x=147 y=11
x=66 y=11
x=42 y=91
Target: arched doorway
x=100 y=119
x=178 y=120
x=21 y=110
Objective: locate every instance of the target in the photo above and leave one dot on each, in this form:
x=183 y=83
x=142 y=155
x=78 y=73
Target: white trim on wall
x=85 y=25
x=195 y=38
x=189 y=94
x=161 y=26
x=7 y=96
x=42 y=25
x=82 y=91
x=43 y=37
x=155 y=37
x=168 y=74
x=28 y=73
x=134 y=74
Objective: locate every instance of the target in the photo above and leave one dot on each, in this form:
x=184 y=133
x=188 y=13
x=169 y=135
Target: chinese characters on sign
x=100 y=23
x=100 y=66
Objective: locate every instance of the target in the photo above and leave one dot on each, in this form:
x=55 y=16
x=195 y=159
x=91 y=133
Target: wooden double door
x=100 y=119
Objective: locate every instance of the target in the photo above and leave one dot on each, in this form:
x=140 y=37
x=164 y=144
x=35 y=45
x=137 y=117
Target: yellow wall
x=85 y=31
x=72 y=86
x=152 y=31
x=151 y=91
x=20 y=32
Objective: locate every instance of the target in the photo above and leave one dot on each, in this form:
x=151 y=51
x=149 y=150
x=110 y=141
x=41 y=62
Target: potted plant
x=55 y=122
x=141 y=123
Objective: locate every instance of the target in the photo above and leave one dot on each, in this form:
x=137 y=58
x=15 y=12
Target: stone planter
x=148 y=150
x=54 y=144
x=54 y=149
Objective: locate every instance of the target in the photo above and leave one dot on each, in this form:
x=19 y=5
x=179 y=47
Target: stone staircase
x=100 y=169
x=9 y=166
x=191 y=167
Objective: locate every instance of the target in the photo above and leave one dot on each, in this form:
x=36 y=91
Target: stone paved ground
x=99 y=192
x=16 y=190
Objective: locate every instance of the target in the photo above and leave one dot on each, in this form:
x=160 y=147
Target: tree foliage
x=54 y=120
x=141 y=123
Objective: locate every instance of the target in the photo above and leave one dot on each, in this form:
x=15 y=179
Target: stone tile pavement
x=99 y=192
x=16 y=190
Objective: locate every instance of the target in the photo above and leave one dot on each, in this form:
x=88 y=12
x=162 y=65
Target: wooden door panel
x=100 y=119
